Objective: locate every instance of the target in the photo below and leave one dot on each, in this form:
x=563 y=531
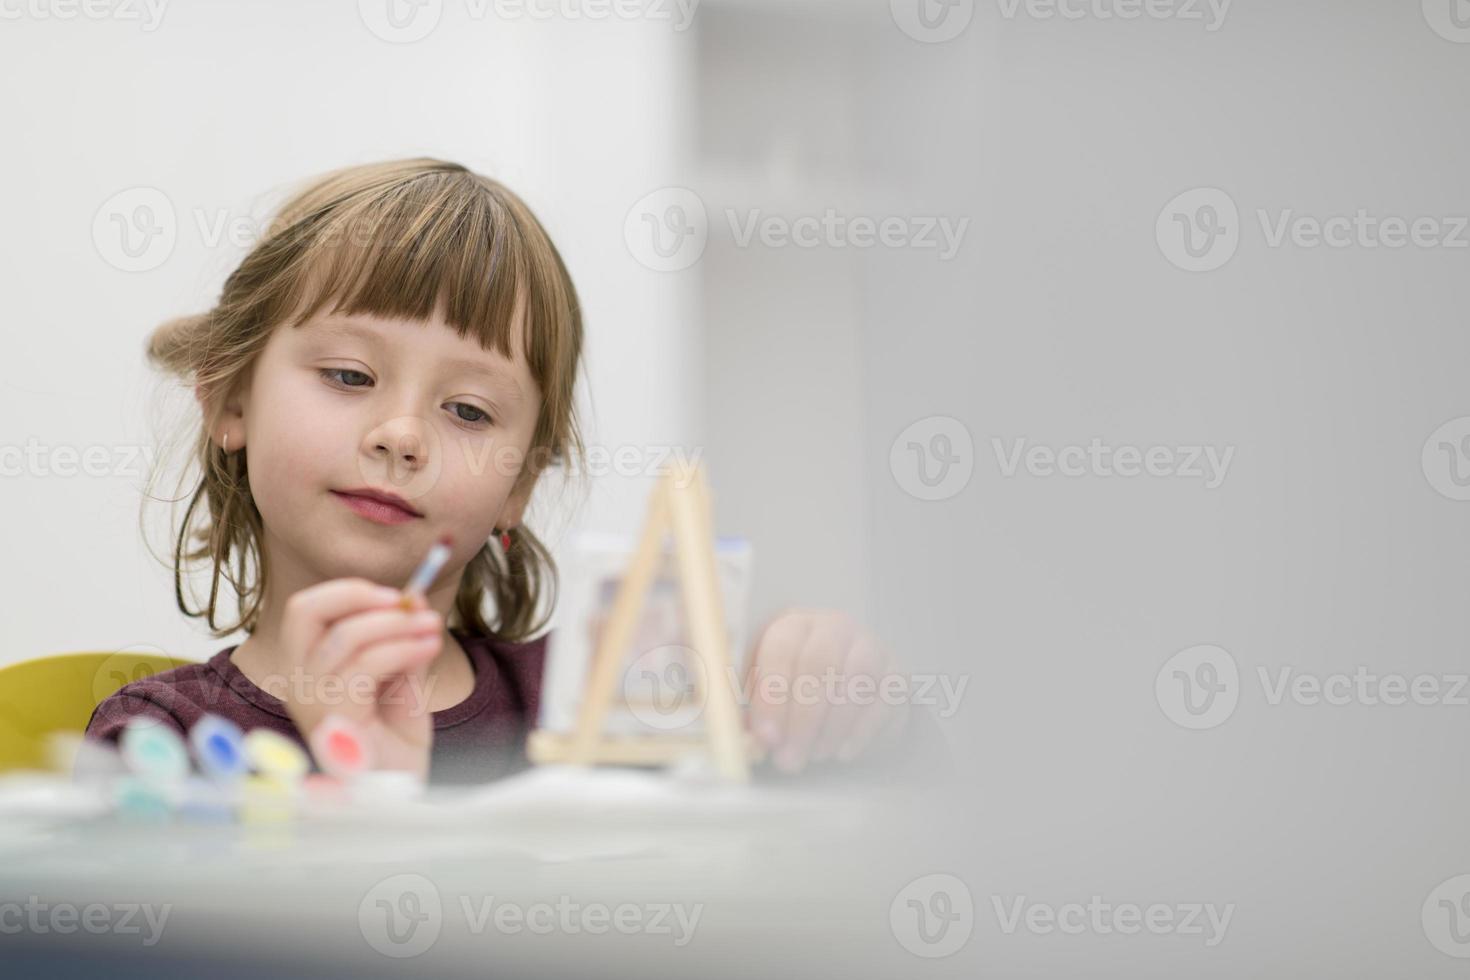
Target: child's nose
x=409 y=448
x=402 y=438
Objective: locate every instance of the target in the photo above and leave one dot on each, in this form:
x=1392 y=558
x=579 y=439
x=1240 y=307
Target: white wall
x=221 y=107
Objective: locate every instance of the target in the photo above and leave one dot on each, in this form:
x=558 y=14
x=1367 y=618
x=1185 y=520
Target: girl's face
x=401 y=406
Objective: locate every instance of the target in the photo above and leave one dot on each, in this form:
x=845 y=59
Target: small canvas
x=656 y=687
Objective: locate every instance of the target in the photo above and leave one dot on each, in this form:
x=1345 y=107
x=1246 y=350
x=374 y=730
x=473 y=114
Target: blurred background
x=1106 y=356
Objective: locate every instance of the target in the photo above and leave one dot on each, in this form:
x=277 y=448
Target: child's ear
x=229 y=421
x=514 y=508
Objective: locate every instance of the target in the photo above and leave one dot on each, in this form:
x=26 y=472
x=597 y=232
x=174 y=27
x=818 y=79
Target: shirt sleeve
x=112 y=715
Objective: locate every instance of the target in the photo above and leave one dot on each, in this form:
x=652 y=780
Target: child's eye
x=329 y=373
x=480 y=417
x=340 y=378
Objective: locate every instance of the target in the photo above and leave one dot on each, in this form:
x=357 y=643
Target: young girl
x=394 y=362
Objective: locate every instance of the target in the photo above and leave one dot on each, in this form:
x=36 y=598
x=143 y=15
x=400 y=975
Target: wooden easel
x=679 y=503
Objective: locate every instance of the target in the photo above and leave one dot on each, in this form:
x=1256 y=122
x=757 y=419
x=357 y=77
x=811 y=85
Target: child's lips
x=375 y=510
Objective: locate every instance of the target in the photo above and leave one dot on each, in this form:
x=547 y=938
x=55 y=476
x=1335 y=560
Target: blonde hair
x=400 y=239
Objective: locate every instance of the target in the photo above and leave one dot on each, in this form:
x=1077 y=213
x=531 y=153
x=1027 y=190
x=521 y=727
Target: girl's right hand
x=356 y=653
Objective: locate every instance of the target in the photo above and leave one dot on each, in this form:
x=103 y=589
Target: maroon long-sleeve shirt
x=481 y=738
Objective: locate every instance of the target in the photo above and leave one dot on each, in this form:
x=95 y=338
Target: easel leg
x=612 y=649
x=694 y=544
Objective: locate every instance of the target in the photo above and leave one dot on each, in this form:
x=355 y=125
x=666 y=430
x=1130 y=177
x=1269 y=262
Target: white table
x=554 y=873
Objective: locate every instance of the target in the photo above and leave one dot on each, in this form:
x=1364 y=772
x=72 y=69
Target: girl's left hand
x=816 y=688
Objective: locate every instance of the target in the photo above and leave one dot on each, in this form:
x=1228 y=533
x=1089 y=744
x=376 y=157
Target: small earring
x=226 y=442
x=505 y=540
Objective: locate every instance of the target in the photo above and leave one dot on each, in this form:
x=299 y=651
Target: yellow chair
x=58 y=694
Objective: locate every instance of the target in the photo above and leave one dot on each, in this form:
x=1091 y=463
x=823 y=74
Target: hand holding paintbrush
x=362 y=653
